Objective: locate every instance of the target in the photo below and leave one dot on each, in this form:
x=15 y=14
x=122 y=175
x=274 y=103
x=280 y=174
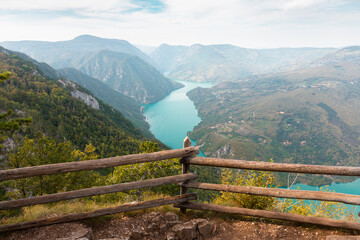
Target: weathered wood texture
x=95 y=164
x=101 y=212
x=281 y=193
x=272 y=215
x=277 y=167
x=96 y=191
x=185 y=169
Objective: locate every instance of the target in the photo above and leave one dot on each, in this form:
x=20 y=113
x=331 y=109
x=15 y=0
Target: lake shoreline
x=171 y=118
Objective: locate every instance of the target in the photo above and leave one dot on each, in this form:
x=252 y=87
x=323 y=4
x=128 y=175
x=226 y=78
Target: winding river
x=174 y=116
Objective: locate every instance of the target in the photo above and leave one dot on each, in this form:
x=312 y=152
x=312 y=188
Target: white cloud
x=249 y=23
x=298 y=4
x=95 y=5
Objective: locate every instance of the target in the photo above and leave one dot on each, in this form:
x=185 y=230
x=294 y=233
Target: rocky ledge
x=157 y=226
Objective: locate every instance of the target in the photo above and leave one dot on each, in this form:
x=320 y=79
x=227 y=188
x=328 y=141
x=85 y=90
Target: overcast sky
x=246 y=23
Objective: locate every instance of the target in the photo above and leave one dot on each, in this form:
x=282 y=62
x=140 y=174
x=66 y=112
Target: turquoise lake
x=174 y=116
x=349 y=188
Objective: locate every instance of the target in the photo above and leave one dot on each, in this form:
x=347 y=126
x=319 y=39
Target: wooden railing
x=187 y=157
x=17 y=173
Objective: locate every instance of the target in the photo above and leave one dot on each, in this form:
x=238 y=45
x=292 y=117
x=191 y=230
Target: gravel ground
x=122 y=227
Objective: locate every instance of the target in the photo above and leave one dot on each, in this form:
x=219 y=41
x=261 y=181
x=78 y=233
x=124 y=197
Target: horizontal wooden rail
x=57 y=168
x=277 y=167
x=101 y=212
x=280 y=193
x=96 y=191
x=273 y=215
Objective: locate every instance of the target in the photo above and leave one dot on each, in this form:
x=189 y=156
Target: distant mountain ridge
x=225 y=62
x=54 y=52
x=345 y=54
x=128 y=75
x=120 y=65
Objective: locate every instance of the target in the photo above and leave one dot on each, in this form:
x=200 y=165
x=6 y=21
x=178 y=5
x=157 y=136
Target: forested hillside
x=307 y=116
x=128 y=107
x=46 y=121
x=58 y=114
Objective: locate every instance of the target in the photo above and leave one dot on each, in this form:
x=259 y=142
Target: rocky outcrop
x=86 y=98
x=224 y=151
x=194 y=229
x=174 y=229
x=66 y=82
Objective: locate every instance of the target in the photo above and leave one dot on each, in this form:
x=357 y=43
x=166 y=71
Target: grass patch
x=77 y=206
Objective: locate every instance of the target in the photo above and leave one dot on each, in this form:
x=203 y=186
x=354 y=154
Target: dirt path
x=122 y=227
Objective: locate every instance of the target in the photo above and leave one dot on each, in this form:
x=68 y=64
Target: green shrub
x=246 y=178
x=326 y=209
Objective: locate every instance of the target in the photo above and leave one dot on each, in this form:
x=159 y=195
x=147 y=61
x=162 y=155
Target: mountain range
x=342 y=55
x=208 y=63
x=120 y=65
x=296 y=105
x=57 y=54
x=128 y=75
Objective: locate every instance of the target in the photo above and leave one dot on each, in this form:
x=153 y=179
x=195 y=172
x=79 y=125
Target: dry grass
x=77 y=206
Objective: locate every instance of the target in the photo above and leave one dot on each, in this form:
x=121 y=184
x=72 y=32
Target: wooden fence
x=187 y=157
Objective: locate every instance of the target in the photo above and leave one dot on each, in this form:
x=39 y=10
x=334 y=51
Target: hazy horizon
x=248 y=23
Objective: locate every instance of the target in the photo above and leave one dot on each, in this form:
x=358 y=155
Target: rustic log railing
x=277 y=167
x=273 y=192
x=25 y=172
x=187 y=157
x=17 y=173
x=96 y=191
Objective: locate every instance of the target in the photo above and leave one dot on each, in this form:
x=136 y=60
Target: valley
x=292 y=105
x=101 y=100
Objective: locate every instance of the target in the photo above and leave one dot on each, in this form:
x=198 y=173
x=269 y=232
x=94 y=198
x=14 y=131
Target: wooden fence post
x=185 y=169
